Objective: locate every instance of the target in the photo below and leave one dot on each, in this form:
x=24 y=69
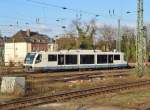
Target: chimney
x=28 y=32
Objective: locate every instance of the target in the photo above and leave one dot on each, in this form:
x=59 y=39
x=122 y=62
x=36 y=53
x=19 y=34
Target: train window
x=110 y=58
x=38 y=59
x=116 y=57
x=71 y=59
x=29 y=58
x=101 y=59
x=86 y=59
x=60 y=59
x=52 y=57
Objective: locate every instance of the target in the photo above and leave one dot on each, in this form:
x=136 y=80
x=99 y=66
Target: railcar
x=73 y=60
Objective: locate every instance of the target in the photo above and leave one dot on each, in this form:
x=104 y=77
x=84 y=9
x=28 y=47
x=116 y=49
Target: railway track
x=20 y=73
x=73 y=73
x=28 y=102
x=10 y=70
x=70 y=76
x=43 y=84
x=79 y=75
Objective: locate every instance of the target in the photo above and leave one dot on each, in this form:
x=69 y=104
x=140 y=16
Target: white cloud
x=41 y=28
x=129 y=24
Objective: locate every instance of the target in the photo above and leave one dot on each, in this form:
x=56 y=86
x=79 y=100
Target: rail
x=69 y=76
x=72 y=94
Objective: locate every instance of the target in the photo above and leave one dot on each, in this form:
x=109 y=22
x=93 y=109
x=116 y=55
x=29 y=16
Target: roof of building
x=27 y=36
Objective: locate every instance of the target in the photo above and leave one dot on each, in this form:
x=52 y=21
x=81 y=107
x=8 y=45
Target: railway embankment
x=111 y=98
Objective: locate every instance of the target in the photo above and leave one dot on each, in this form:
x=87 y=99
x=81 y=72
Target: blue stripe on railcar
x=80 y=67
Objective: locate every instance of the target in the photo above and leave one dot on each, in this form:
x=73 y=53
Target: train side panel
x=57 y=61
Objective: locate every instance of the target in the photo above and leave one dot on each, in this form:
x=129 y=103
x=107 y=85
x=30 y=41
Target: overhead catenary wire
x=63 y=7
x=111 y=13
x=28 y=22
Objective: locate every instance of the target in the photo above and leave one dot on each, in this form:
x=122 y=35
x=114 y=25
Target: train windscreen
x=29 y=58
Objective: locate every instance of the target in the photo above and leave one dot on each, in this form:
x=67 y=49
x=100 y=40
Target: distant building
x=52 y=45
x=2 y=41
x=23 y=42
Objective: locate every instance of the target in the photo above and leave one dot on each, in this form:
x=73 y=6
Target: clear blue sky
x=23 y=13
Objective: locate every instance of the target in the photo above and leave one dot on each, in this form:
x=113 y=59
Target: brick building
x=1 y=42
x=23 y=42
x=1 y=50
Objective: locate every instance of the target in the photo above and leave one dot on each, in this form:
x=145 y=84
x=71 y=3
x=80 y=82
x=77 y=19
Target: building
x=1 y=50
x=1 y=42
x=52 y=45
x=23 y=42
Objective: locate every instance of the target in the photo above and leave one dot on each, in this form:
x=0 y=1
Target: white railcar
x=73 y=60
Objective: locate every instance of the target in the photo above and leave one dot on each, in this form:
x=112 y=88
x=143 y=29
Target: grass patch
x=45 y=88
x=126 y=100
x=7 y=96
x=134 y=74
x=131 y=99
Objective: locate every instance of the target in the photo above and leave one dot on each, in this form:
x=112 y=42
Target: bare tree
x=67 y=41
x=128 y=43
x=86 y=33
x=107 y=35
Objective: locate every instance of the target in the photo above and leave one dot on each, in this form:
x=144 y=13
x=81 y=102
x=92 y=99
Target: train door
x=110 y=58
x=60 y=59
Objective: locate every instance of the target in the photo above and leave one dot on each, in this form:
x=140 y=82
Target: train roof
x=80 y=51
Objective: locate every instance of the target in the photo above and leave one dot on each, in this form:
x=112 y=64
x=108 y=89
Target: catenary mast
x=140 y=39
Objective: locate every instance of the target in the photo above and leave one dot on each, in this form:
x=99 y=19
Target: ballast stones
x=13 y=85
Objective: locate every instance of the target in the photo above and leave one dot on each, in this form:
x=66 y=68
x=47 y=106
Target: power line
x=63 y=7
x=111 y=12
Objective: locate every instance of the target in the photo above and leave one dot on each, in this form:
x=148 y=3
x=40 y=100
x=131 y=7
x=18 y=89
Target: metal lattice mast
x=140 y=39
x=118 y=41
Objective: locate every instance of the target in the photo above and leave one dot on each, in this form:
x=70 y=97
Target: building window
x=39 y=41
x=34 y=49
x=52 y=57
x=71 y=59
x=49 y=46
x=116 y=57
x=34 y=41
x=86 y=59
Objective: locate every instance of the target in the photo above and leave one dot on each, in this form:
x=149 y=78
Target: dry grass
x=8 y=96
x=124 y=99
x=50 y=88
x=127 y=100
x=146 y=73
